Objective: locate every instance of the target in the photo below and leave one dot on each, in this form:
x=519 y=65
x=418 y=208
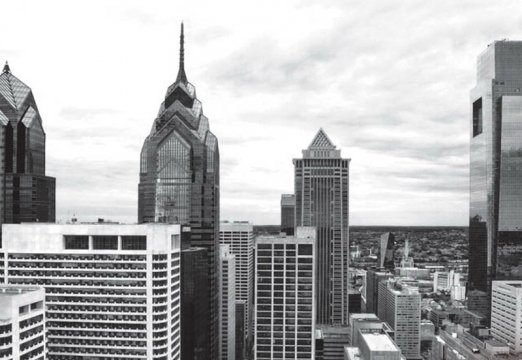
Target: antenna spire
x=182 y=77
x=6 y=68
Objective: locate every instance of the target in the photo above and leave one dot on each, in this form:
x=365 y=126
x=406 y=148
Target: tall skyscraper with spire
x=179 y=180
x=26 y=194
x=495 y=225
x=321 y=200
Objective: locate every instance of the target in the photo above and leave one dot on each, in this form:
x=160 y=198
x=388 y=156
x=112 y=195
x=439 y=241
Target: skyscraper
x=179 y=179
x=506 y=313
x=495 y=227
x=239 y=235
x=321 y=200
x=26 y=194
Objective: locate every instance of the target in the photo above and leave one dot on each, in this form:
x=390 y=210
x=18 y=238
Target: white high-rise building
x=239 y=235
x=228 y=303
x=506 y=313
x=284 y=296
x=22 y=322
x=400 y=307
x=112 y=291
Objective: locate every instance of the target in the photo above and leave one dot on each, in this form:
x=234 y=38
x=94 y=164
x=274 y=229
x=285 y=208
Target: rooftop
x=379 y=342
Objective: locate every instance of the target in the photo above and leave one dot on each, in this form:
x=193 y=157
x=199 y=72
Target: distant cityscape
x=183 y=283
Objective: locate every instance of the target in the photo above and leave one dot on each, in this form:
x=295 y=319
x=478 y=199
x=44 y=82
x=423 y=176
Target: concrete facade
x=112 y=291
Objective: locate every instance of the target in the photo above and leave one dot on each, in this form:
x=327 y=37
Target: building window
x=134 y=242
x=477 y=117
x=305 y=249
x=105 y=242
x=175 y=242
x=76 y=242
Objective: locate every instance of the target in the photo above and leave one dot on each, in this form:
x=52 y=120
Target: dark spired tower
x=179 y=181
x=26 y=194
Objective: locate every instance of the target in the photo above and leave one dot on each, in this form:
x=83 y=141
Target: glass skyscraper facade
x=26 y=194
x=179 y=179
x=321 y=200
x=495 y=228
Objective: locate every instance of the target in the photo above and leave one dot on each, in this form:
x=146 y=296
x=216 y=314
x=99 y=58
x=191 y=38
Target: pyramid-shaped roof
x=12 y=89
x=321 y=141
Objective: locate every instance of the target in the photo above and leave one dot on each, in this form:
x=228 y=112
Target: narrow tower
x=321 y=200
x=26 y=194
x=179 y=180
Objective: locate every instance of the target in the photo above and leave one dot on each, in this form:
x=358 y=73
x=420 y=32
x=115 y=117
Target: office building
x=239 y=236
x=22 y=322
x=284 y=312
x=195 y=337
x=506 y=313
x=400 y=307
x=179 y=179
x=387 y=255
x=112 y=291
x=288 y=213
x=495 y=227
x=26 y=194
x=373 y=278
x=228 y=303
x=321 y=200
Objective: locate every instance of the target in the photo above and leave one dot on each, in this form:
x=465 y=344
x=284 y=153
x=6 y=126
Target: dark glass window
x=105 y=242
x=76 y=242
x=134 y=242
x=477 y=117
x=305 y=249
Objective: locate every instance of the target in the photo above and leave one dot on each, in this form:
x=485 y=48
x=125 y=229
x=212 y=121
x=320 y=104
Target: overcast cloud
x=387 y=80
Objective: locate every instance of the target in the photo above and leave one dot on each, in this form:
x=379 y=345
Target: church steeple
x=182 y=77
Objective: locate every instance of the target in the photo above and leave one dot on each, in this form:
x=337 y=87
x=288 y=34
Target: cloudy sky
x=387 y=80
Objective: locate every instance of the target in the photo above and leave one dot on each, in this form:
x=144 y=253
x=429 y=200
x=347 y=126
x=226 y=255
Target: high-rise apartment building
x=284 y=310
x=506 y=313
x=26 y=194
x=400 y=307
x=239 y=236
x=112 y=291
x=228 y=303
x=321 y=200
x=179 y=179
x=288 y=214
x=495 y=227
x=22 y=322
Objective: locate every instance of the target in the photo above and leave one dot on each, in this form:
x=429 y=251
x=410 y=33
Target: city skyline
x=108 y=77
